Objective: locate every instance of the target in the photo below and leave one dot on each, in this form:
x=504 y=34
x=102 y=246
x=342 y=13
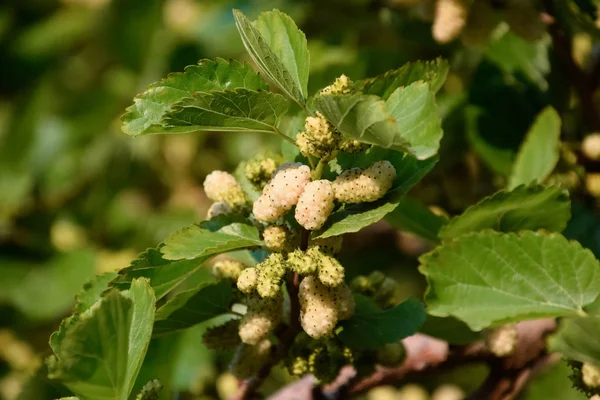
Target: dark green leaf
x=412 y=216
x=149 y=107
x=450 y=330
x=371 y=327
x=489 y=277
x=433 y=72
x=239 y=110
x=279 y=50
x=99 y=354
x=219 y=235
x=530 y=207
x=193 y=307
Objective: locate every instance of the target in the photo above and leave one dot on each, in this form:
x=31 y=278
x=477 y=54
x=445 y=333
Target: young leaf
x=538 y=154
x=412 y=216
x=578 y=339
x=221 y=234
x=164 y=275
x=530 y=207
x=408 y=121
x=353 y=218
x=433 y=72
x=239 y=110
x=99 y=355
x=371 y=327
x=489 y=277
x=279 y=50
x=149 y=107
x=193 y=307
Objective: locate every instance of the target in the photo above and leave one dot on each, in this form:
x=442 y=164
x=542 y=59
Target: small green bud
x=260 y=169
x=222 y=336
x=391 y=354
x=270 y=273
x=353 y=146
x=297 y=366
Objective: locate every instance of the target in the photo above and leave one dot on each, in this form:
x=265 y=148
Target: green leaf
x=433 y=72
x=553 y=384
x=239 y=110
x=489 y=277
x=450 y=330
x=92 y=290
x=412 y=216
x=219 y=235
x=279 y=50
x=163 y=274
x=193 y=307
x=371 y=327
x=149 y=107
x=408 y=121
x=530 y=207
x=539 y=152
x=99 y=355
x=353 y=218
x=578 y=339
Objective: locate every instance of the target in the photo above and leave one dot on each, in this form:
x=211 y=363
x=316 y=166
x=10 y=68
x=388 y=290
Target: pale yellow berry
x=277 y=238
x=590 y=375
x=383 y=393
x=358 y=186
x=592 y=184
x=218 y=208
x=331 y=272
x=270 y=273
x=228 y=269
x=448 y=392
x=282 y=192
x=342 y=85
x=315 y=204
x=320 y=139
x=591 y=146
x=247 y=280
x=344 y=301
x=502 y=340
x=450 y=18
x=303 y=263
x=261 y=318
x=222 y=186
x=413 y=392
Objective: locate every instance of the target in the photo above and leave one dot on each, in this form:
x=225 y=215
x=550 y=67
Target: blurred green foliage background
x=78 y=197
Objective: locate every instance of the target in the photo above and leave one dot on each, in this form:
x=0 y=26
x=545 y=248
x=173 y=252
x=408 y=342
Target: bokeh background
x=78 y=197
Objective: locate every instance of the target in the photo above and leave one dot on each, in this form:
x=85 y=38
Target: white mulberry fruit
x=228 y=269
x=450 y=19
x=357 y=186
x=591 y=146
x=282 y=192
x=590 y=374
x=247 y=280
x=502 y=340
x=218 y=208
x=315 y=204
x=222 y=186
x=261 y=318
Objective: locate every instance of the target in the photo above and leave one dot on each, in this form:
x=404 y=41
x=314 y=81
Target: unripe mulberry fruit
x=278 y=238
x=331 y=272
x=591 y=146
x=357 y=186
x=392 y=354
x=325 y=362
x=222 y=186
x=315 y=204
x=228 y=269
x=282 y=192
x=150 y=391
x=353 y=146
x=260 y=169
x=222 y=336
x=248 y=359
x=450 y=19
x=319 y=139
x=342 y=85
x=590 y=374
x=218 y=208
x=502 y=340
x=247 y=280
x=261 y=318
x=270 y=272
x=303 y=262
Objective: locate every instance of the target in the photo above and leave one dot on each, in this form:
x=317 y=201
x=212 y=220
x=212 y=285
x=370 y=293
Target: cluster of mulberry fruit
x=291 y=200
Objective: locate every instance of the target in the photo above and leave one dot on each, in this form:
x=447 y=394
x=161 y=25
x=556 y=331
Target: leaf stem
x=284 y=136
x=318 y=170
